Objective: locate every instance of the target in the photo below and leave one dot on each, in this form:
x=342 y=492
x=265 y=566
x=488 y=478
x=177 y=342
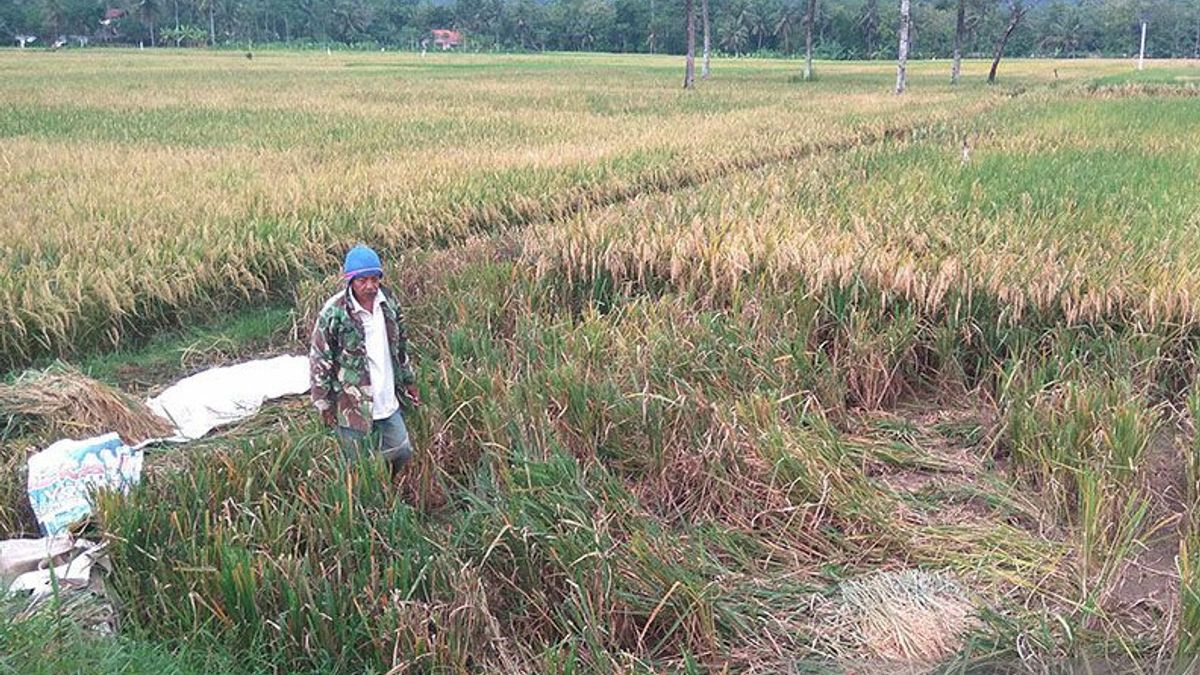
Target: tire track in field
x=483 y=218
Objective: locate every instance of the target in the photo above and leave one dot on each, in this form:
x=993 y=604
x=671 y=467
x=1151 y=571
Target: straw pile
x=66 y=403
x=909 y=619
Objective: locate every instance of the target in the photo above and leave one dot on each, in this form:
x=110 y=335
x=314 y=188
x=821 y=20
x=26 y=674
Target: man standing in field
x=359 y=364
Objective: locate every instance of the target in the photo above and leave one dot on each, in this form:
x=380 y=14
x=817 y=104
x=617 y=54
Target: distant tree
x=54 y=14
x=704 y=67
x=902 y=59
x=742 y=26
x=650 y=29
x=1017 y=11
x=184 y=35
x=350 y=20
x=148 y=12
x=1061 y=30
x=759 y=24
x=172 y=34
x=784 y=18
x=734 y=29
x=209 y=6
x=954 y=29
x=868 y=21
x=629 y=20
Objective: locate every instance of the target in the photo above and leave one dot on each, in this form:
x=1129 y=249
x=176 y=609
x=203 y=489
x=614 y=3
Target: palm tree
x=148 y=12
x=868 y=20
x=735 y=32
x=53 y=15
x=735 y=40
x=210 y=7
x=758 y=25
x=1063 y=32
x=784 y=19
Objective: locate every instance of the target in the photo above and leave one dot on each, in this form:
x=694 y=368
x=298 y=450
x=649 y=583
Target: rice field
x=230 y=178
x=765 y=377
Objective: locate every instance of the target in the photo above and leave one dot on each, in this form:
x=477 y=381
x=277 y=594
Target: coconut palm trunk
x=902 y=60
x=1018 y=13
x=960 y=27
x=689 y=70
x=809 y=19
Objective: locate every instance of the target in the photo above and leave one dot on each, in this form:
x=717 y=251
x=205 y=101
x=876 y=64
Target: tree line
x=840 y=29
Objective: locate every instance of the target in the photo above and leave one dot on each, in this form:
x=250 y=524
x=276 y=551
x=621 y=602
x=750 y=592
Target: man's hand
x=413 y=394
x=329 y=417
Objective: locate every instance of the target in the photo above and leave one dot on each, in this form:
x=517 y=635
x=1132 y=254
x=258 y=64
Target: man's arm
x=406 y=381
x=322 y=368
x=406 y=377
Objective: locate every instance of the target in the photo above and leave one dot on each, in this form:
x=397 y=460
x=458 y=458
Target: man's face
x=365 y=288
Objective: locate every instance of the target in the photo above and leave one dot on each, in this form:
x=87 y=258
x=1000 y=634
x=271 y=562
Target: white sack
x=18 y=556
x=196 y=405
x=73 y=574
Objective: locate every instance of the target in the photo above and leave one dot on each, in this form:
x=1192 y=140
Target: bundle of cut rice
x=66 y=403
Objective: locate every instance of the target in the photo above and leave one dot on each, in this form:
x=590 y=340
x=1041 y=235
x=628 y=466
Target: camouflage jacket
x=337 y=359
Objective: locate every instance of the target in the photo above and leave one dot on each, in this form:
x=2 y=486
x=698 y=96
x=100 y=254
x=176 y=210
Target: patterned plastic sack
x=62 y=477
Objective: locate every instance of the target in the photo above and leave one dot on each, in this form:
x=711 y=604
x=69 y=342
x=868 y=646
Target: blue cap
x=361 y=261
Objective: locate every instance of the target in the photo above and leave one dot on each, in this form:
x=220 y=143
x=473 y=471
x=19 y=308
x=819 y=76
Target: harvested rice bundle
x=65 y=402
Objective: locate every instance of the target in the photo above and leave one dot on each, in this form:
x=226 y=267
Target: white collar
x=362 y=310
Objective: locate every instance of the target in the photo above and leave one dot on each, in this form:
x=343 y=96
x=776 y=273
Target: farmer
x=359 y=364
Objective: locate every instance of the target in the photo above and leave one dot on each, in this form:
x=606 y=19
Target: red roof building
x=446 y=39
x=112 y=14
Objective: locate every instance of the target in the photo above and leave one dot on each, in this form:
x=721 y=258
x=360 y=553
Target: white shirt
x=379 y=359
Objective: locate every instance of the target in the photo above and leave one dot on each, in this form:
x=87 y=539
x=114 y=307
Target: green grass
x=45 y=644
x=1185 y=77
x=166 y=355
